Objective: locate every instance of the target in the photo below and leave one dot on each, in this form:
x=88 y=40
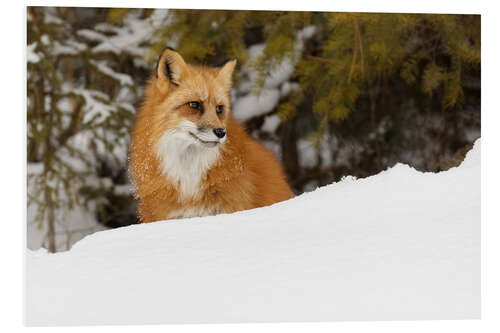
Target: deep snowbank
x=395 y=246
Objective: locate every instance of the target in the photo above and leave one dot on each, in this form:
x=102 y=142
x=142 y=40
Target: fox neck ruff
x=185 y=163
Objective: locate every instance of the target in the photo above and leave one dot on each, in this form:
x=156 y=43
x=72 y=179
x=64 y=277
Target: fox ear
x=169 y=69
x=225 y=75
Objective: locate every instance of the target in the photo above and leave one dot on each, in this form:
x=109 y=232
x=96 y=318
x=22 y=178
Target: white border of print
x=13 y=196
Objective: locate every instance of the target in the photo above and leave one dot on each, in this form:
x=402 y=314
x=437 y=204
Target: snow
x=131 y=37
x=70 y=48
x=94 y=108
x=288 y=87
x=400 y=245
x=306 y=33
x=31 y=55
x=271 y=123
x=72 y=223
x=284 y=70
x=308 y=157
x=45 y=40
x=124 y=189
x=34 y=168
x=309 y=154
x=124 y=79
x=279 y=73
x=250 y=106
x=51 y=16
x=90 y=35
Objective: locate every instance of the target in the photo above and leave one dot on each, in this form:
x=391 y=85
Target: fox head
x=195 y=104
x=187 y=112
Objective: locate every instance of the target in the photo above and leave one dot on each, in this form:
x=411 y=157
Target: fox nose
x=220 y=132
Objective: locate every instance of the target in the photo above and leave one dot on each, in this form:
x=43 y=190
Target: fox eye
x=195 y=105
x=219 y=109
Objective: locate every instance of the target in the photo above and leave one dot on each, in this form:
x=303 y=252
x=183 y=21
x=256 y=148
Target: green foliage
x=351 y=51
x=116 y=15
x=216 y=34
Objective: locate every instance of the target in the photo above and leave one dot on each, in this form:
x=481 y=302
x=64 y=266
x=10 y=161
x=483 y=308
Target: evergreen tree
x=81 y=98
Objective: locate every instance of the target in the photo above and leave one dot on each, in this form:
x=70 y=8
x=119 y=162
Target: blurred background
x=331 y=94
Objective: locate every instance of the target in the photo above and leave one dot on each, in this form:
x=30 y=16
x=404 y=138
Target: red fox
x=189 y=156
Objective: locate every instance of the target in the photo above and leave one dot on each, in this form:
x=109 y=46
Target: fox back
x=189 y=156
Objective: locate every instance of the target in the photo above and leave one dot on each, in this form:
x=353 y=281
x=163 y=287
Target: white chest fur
x=193 y=212
x=185 y=162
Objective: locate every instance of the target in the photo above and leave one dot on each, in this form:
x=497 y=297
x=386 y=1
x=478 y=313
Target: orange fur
x=245 y=175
